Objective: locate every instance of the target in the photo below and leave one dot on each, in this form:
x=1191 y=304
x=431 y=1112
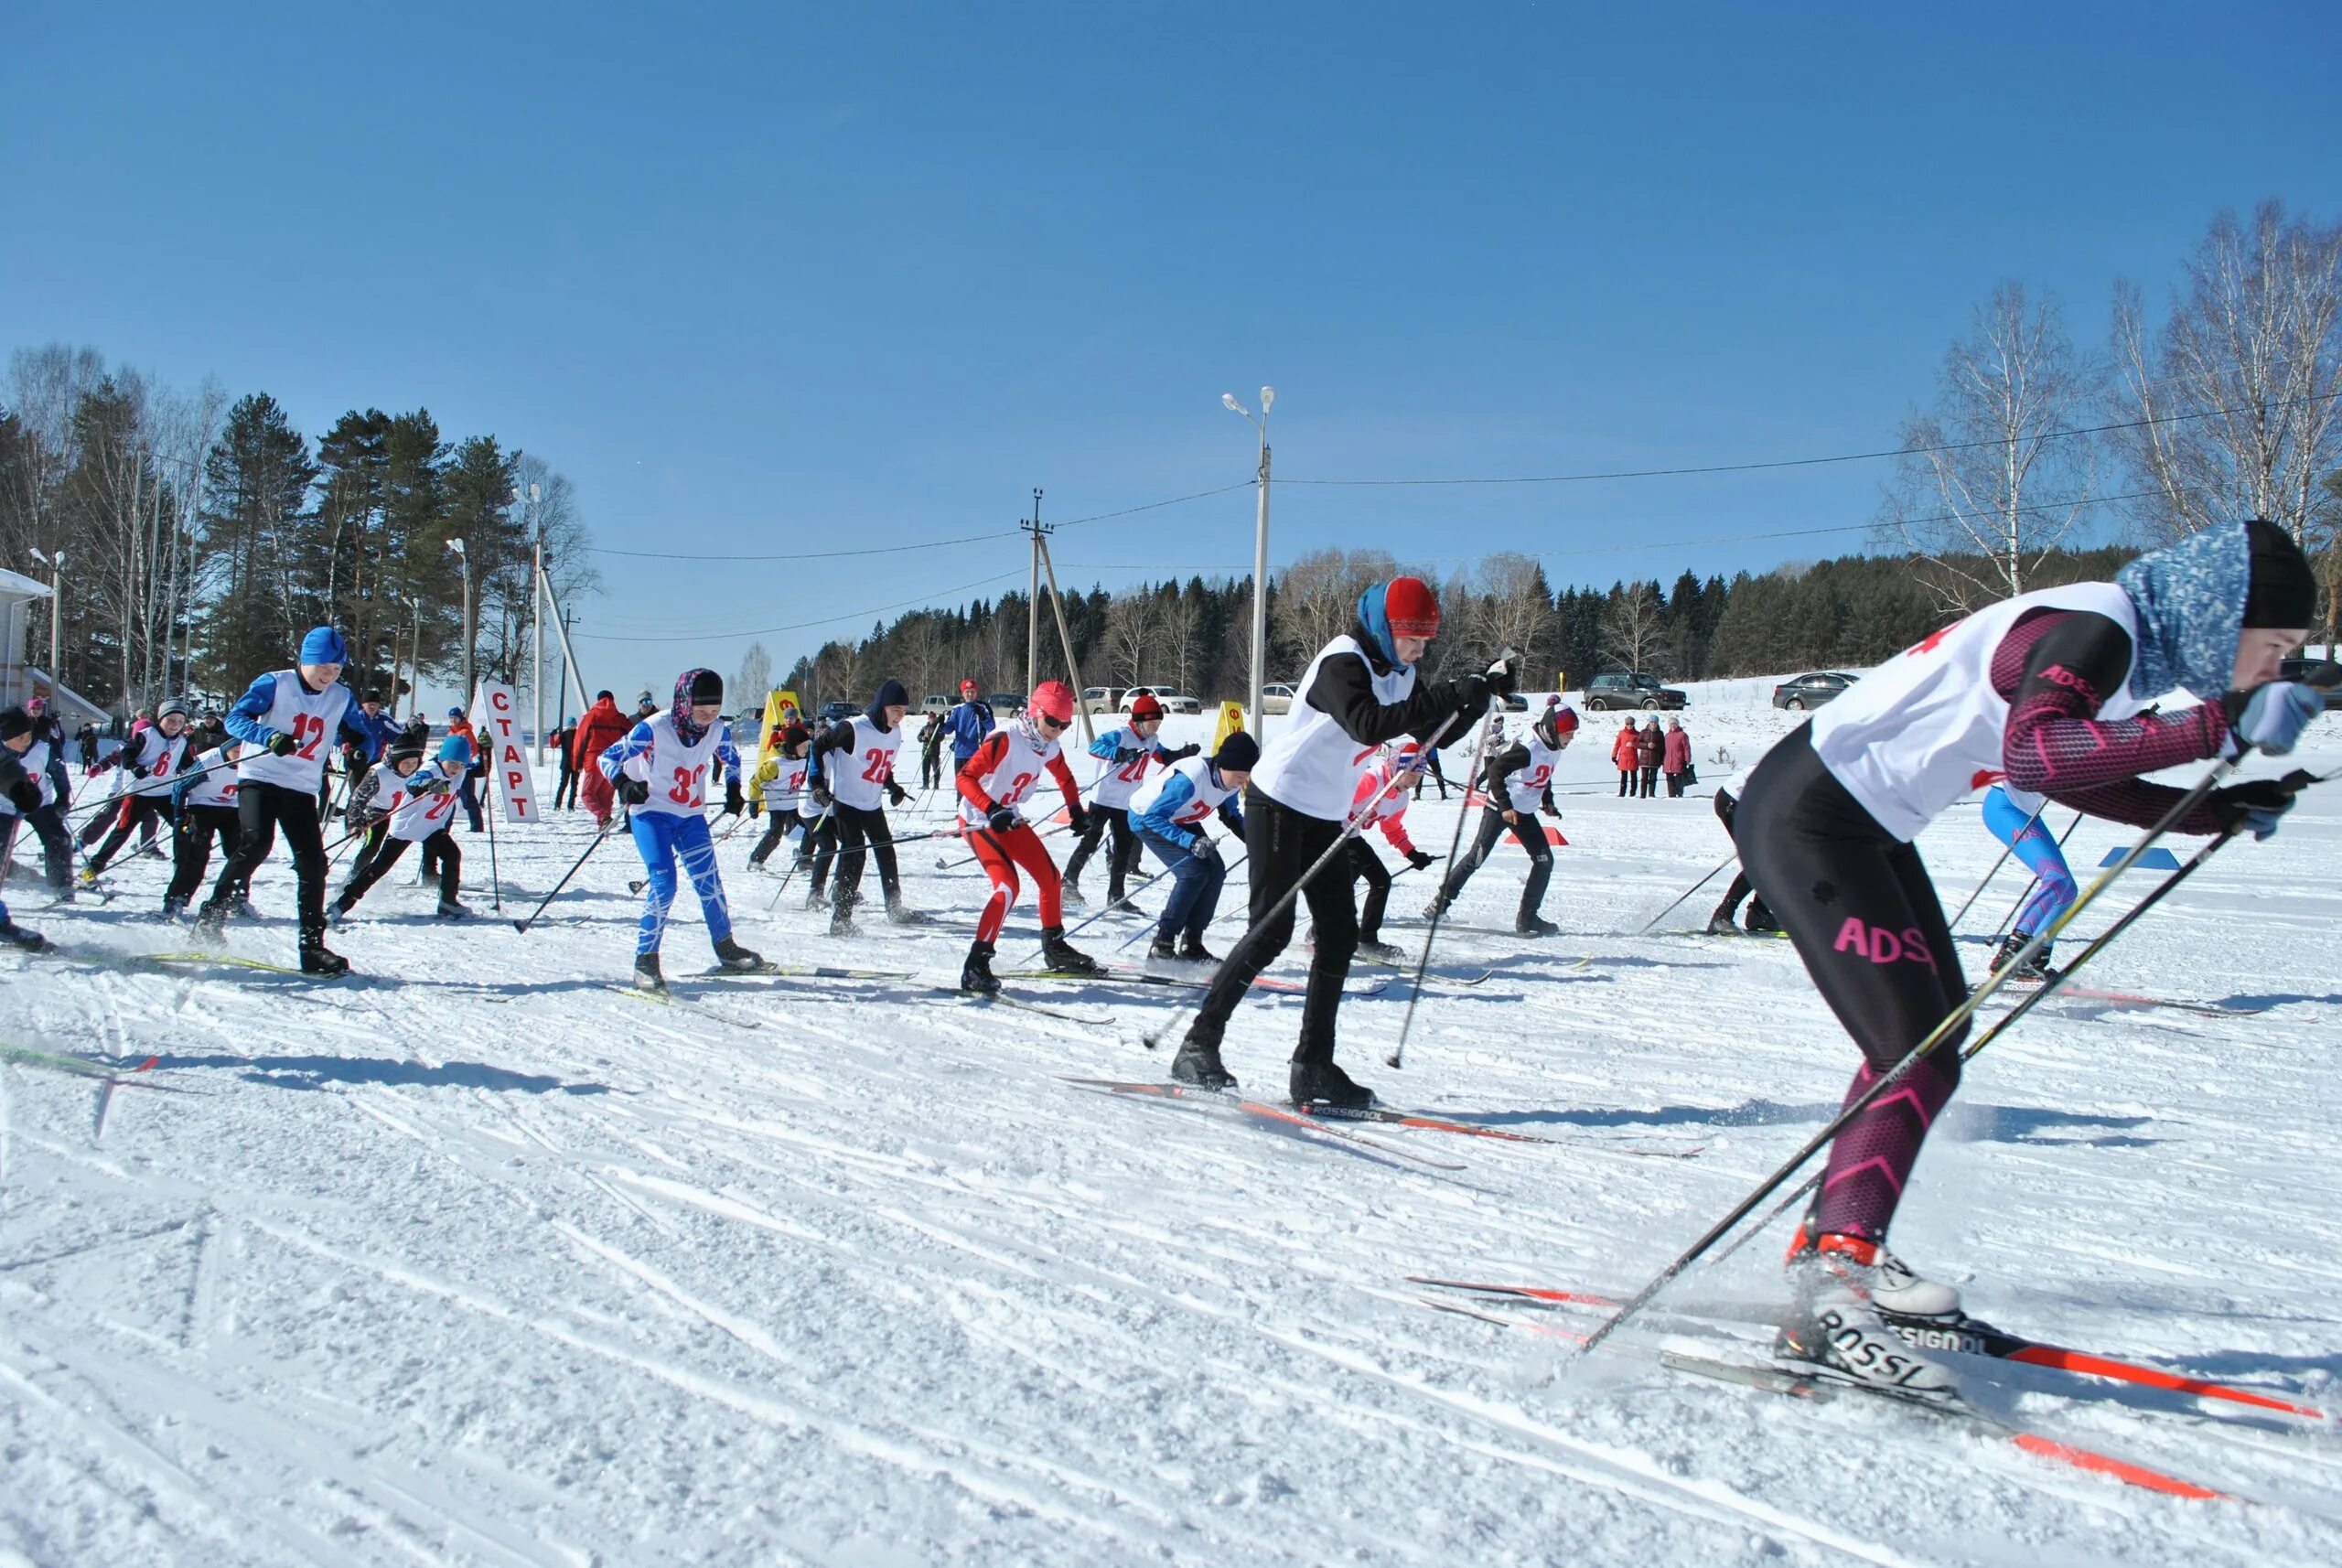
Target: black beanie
x=708 y=686
x=408 y=744
x=2284 y=590
x=14 y=722
x=1237 y=754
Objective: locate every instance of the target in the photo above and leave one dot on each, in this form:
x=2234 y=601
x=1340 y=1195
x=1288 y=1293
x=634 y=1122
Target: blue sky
x=781 y=278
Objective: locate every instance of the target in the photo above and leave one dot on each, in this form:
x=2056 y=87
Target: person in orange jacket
x=1626 y=754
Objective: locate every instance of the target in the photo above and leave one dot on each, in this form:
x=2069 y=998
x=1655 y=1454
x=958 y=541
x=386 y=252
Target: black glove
x=1204 y=849
x=819 y=793
x=999 y=818
x=632 y=791
x=895 y=793
x=732 y=802
x=1127 y=754
x=24 y=795
x=1470 y=694
x=281 y=744
x=1077 y=819
x=1418 y=859
x=2258 y=805
x=1503 y=676
x=1181 y=752
x=138 y=771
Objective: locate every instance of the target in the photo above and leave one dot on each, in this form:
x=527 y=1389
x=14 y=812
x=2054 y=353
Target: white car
x=1173 y=701
x=1278 y=699
x=1100 y=699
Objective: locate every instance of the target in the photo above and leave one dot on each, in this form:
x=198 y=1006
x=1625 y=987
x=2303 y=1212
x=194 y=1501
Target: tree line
x=202 y=537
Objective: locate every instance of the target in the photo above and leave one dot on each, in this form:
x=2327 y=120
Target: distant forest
x=1851 y=611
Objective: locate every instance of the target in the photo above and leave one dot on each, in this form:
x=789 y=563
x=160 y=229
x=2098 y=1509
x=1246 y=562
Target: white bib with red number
x=417 y=817
x=310 y=718
x=1013 y=780
x=1121 y=781
x=859 y=779
x=677 y=774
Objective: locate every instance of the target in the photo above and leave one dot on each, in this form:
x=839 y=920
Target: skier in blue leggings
x=2015 y=817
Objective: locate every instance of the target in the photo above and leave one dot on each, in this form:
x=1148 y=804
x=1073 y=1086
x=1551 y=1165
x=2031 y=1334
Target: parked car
x=1004 y=704
x=1173 y=701
x=1811 y=691
x=833 y=713
x=1101 y=699
x=1278 y=699
x=2307 y=669
x=936 y=702
x=1620 y=689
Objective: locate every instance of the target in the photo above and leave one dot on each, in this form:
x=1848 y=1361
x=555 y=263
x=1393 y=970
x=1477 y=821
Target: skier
x=359 y=755
x=152 y=758
x=1167 y=814
x=779 y=779
x=602 y=727
x=404 y=802
x=1371 y=807
x=203 y=806
x=2015 y=817
x=1126 y=752
x=1358 y=692
x=1431 y=762
x=1518 y=784
x=930 y=752
x=2050 y=687
x=1001 y=773
x=968 y=723
x=659 y=770
x=285 y=719
x=853 y=769
x=24 y=789
x=1760 y=918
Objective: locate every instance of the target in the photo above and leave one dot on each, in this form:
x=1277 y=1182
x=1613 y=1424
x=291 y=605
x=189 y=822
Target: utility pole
x=537 y=629
x=1033 y=602
x=1253 y=713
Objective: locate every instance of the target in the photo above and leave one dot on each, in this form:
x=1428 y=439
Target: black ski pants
x=56 y=844
x=191 y=847
x=1120 y=860
x=135 y=812
x=1282 y=846
x=1529 y=833
x=1367 y=866
x=1432 y=758
x=1859 y=906
x=381 y=852
x=1760 y=918
x=261 y=810
x=931 y=766
x=779 y=825
x=855 y=827
x=564 y=794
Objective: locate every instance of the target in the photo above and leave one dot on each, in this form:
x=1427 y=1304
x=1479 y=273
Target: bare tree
x=1131 y=623
x=1515 y=605
x=1634 y=625
x=2241 y=391
x=1317 y=595
x=1179 y=634
x=1988 y=486
x=754 y=680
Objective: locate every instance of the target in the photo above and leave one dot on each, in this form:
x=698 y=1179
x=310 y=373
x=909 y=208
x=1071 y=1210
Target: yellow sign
x=1231 y=718
x=780 y=708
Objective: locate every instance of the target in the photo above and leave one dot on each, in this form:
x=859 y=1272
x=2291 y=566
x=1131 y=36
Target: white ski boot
x=1842 y=1289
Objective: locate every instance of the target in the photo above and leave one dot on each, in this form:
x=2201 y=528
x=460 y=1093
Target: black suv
x=833 y=713
x=1620 y=690
x=2304 y=668
x=1812 y=690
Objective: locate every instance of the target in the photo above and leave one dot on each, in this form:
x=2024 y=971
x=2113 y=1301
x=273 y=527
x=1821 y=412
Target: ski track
x=474 y=1261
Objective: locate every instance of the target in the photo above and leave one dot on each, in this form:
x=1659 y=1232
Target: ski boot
x=17 y=937
x=1162 y=949
x=1847 y=1297
x=174 y=908
x=1720 y=925
x=975 y=974
x=1436 y=909
x=1198 y=1063
x=337 y=914
x=318 y=959
x=819 y=898
x=1192 y=950
x=2035 y=968
x=1535 y=926
x=902 y=914
x=740 y=960
x=842 y=919
x=88 y=876
x=453 y=909
x=1070 y=896
x=1055 y=954
x=646 y=973
x=1379 y=950
x=1323 y=1083
x=1761 y=922
x=244 y=910
x=211 y=921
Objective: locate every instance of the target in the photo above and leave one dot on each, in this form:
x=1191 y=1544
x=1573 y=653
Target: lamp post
x=463 y=557
x=537 y=627
x=1259 y=562
x=56 y=564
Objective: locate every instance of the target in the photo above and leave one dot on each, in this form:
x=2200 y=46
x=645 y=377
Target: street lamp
x=56 y=564
x=464 y=556
x=1260 y=561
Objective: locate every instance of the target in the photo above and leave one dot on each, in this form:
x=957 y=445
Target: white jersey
x=1313 y=765
x=1121 y=781
x=1737 y=785
x=785 y=788
x=35 y=762
x=1012 y=780
x=1202 y=797
x=215 y=785
x=310 y=718
x=1527 y=786
x=859 y=779
x=160 y=758
x=677 y=773
x=1925 y=728
x=415 y=816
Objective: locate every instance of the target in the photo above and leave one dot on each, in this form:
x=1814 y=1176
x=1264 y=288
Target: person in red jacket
x=1001 y=774
x=1650 y=750
x=1625 y=754
x=1675 y=758
x=1371 y=807
x=602 y=727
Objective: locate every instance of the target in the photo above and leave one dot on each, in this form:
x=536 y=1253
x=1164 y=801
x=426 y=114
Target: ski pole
x=1885 y=1082
x=1339 y=846
x=2037 y=881
x=599 y=838
x=2007 y=850
x=1703 y=882
x=1456 y=839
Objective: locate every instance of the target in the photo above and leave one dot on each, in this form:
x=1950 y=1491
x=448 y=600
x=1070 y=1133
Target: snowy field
x=469 y=1259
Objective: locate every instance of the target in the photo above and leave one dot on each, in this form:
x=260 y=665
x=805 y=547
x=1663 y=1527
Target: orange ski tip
x=2150 y=1377
x=2119 y=1470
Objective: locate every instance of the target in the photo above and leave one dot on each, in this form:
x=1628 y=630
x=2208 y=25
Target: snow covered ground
x=472 y=1260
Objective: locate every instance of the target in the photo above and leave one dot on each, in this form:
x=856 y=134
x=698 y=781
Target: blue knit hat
x=456 y=748
x=324 y=646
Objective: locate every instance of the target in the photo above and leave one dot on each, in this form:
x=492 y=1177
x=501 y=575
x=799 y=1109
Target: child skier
x=1001 y=773
x=287 y=720
x=1358 y=692
x=23 y=791
x=2052 y=689
x=400 y=802
x=1168 y=814
x=1519 y=782
x=44 y=813
x=203 y=806
x=853 y=773
x=1126 y=752
x=660 y=769
x=781 y=780
x=151 y=760
x=2013 y=816
x=1372 y=806
x=1760 y=919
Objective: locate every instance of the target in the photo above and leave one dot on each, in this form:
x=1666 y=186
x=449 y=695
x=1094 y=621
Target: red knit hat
x=1144 y=706
x=1412 y=608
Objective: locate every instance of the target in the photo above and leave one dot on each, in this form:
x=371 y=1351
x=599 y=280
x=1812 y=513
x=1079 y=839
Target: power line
x=925 y=598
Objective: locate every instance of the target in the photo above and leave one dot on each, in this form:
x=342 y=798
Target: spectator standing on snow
x=1623 y=754
x=602 y=727
x=1675 y=758
x=1650 y=750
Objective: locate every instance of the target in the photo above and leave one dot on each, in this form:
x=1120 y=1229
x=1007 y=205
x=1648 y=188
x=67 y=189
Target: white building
x=21 y=601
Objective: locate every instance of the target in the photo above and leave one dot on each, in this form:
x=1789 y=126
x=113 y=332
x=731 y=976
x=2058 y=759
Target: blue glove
x=2272 y=717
